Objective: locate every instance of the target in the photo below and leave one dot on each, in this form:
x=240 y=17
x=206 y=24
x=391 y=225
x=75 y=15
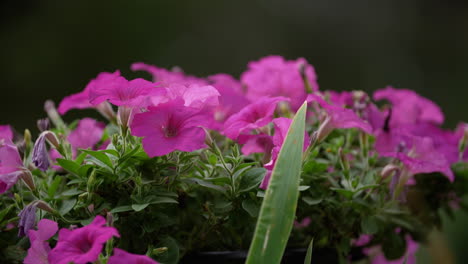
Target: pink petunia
x=253 y=116
x=82 y=245
x=122 y=257
x=81 y=100
x=231 y=99
x=275 y=76
x=10 y=164
x=281 y=125
x=6 y=132
x=171 y=126
x=417 y=153
x=39 y=250
x=194 y=95
x=260 y=143
x=338 y=117
x=87 y=134
x=120 y=92
x=409 y=108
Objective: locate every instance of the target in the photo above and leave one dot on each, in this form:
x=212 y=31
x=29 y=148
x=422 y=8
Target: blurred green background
x=50 y=49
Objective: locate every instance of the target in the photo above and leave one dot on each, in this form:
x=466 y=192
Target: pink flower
x=122 y=257
x=281 y=125
x=338 y=117
x=194 y=95
x=171 y=126
x=260 y=143
x=418 y=154
x=166 y=77
x=87 y=134
x=39 y=251
x=408 y=107
x=253 y=116
x=6 y=132
x=81 y=100
x=231 y=99
x=275 y=76
x=120 y=92
x=305 y=222
x=82 y=245
x=10 y=164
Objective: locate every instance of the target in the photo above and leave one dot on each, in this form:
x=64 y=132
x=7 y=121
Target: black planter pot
x=323 y=255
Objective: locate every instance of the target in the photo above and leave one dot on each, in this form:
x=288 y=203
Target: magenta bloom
x=121 y=92
x=166 y=77
x=275 y=76
x=10 y=164
x=81 y=100
x=409 y=108
x=260 y=143
x=87 y=134
x=338 y=117
x=418 y=154
x=194 y=95
x=253 y=116
x=122 y=257
x=39 y=251
x=281 y=125
x=231 y=99
x=171 y=126
x=82 y=245
x=6 y=132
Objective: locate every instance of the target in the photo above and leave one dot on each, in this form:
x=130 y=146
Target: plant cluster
x=185 y=164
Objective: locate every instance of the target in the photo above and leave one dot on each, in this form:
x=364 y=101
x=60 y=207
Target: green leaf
x=139 y=207
x=69 y=165
x=251 y=179
x=67 y=206
x=369 y=225
x=311 y=201
x=120 y=209
x=208 y=184
x=100 y=156
x=53 y=186
x=72 y=192
x=308 y=258
x=250 y=207
x=278 y=209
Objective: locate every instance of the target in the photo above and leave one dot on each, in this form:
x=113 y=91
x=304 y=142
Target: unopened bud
x=43 y=124
x=52 y=138
x=54 y=116
x=40 y=156
x=45 y=206
x=388 y=170
x=91 y=208
x=26 y=176
x=109 y=219
x=27 y=137
x=325 y=129
x=302 y=71
x=159 y=251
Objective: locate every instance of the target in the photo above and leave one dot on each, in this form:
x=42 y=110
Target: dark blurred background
x=50 y=49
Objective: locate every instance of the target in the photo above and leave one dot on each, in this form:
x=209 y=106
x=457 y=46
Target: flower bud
x=27 y=219
x=26 y=176
x=388 y=170
x=40 y=155
x=45 y=206
x=27 y=137
x=54 y=116
x=43 y=124
x=325 y=129
x=52 y=138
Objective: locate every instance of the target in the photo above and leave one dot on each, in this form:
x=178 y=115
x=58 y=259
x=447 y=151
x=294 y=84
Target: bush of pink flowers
x=179 y=164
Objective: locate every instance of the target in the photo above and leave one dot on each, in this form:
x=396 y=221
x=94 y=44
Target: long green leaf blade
x=278 y=209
